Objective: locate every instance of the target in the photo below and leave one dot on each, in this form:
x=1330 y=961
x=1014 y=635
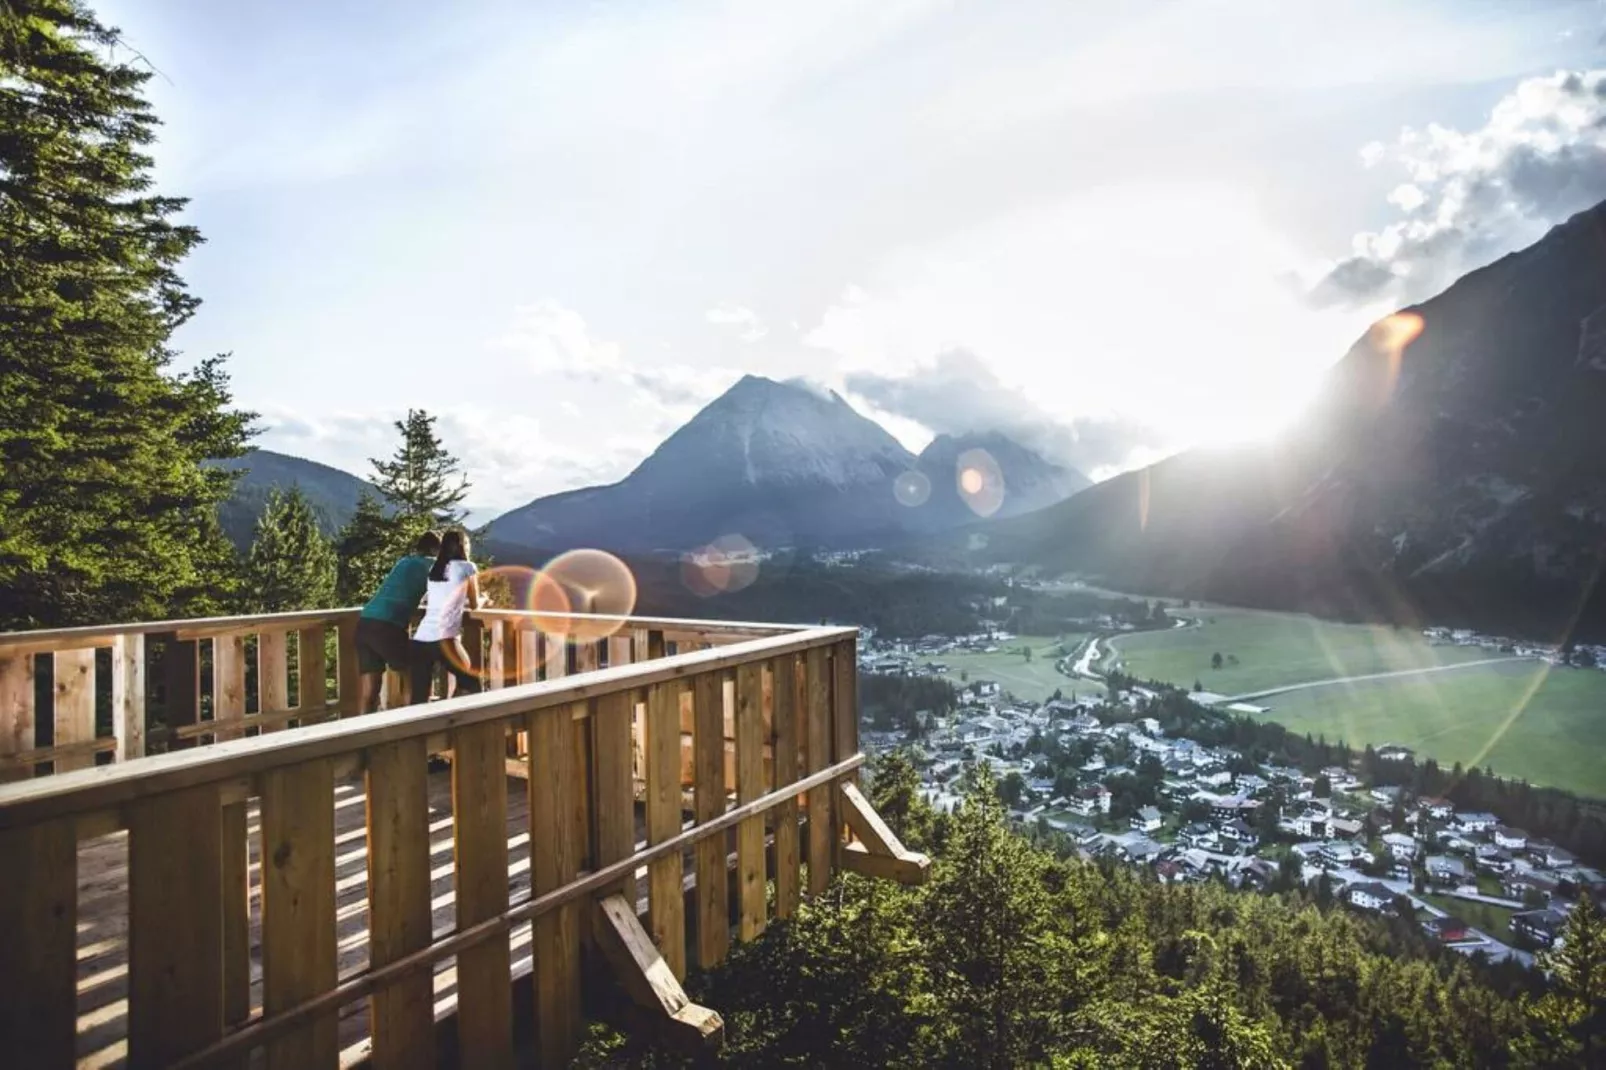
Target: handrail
x=88 y=790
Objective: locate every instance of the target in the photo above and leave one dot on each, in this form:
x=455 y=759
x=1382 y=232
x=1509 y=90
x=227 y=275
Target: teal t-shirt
x=403 y=588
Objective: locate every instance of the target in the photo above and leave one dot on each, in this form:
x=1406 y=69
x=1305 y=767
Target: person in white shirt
x=454 y=587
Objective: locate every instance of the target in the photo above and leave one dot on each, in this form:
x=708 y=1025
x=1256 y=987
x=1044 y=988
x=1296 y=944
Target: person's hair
x=454 y=547
x=428 y=544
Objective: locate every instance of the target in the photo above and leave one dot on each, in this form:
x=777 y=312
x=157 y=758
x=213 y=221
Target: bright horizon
x=1112 y=234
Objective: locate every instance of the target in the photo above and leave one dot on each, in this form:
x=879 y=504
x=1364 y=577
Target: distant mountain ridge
x=779 y=464
x=1464 y=479
x=332 y=492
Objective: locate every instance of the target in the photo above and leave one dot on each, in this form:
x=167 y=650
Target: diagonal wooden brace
x=877 y=852
x=648 y=980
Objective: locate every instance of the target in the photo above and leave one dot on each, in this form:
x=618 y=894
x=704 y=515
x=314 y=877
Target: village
x=1090 y=769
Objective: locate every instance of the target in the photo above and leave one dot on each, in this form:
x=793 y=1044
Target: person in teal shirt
x=382 y=628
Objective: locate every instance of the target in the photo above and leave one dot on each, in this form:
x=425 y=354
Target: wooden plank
x=401 y=1016
x=181 y=688
x=708 y=740
x=273 y=672
x=312 y=668
x=749 y=786
x=394 y=689
x=665 y=904
x=39 y=917
x=786 y=702
x=612 y=790
x=234 y=856
x=84 y=753
x=298 y=907
x=228 y=686
x=128 y=696
x=844 y=700
x=648 y=978
x=479 y=829
x=907 y=868
x=348 y=678
x=620 y=650
x=16 y=711
x=555 y=854
x=496 y=655
x=822 y=835
x=175 y=925
x=529 y=656
x=74 y=713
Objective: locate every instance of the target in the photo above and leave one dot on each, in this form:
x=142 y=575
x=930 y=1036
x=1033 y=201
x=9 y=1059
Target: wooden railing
x=254 y=925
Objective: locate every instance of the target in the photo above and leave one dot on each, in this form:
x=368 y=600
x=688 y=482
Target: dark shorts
x=381 y=644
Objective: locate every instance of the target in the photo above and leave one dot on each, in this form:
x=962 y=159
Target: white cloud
x=554 y=338
x=743 y=321
x=1472 y=196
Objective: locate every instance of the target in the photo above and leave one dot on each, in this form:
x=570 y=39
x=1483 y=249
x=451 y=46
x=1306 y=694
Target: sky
x=1112 y=230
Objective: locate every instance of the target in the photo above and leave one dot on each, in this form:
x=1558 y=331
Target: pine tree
x=1568 y=1023
x=423 y=483
x=366 y=547
x=106 y=511
x=291 y=565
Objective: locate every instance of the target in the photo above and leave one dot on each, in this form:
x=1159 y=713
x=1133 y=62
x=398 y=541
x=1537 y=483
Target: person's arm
x=475 y=599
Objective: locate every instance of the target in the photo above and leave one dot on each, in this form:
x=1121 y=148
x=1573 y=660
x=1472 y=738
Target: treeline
x=895 y=702
x=1577 y=824
x=1012 y=957
x=1036 y=612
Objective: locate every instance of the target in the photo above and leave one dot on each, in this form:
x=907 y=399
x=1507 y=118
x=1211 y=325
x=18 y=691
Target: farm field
x=1526 y=719
x=1036 y=679
x=1274 y=649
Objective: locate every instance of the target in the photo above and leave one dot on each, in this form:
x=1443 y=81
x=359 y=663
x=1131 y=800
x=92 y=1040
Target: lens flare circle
x=911 y=488
x=980 y=481
x=591 y=582
x=723 y=566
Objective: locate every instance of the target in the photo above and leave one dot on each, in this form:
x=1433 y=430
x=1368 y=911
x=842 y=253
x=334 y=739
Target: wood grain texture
x=750 y=742
x=666 y=909
x=273 y=672
x=38 y=917
x=228 y=686
x=175 y=925
x=312 y=667
x=348 y=678
x=401 y=1016
x=234 y=856
x=786 y=702
x=74 y=712
x=822 y=831
x=845 y=700
x=298 y=907
x=128 y=696
x=16 y=711
x=479 y=825
x=555 y=855
x=612 y=788
x=713 y=894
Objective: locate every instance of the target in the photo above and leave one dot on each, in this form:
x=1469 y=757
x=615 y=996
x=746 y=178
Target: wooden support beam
x=649 y=981
x=909 y=869
x=878 y=853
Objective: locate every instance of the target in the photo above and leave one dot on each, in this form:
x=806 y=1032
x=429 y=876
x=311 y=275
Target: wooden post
x=38 y=915
x=228 y=686
x=822 y=832
x=181 y=682
x=555 y=852
x=496 y=659
x=16 y=711
x=273 y=673
x=666 y=908
x=128 y=695
x=612 y=789
x=750 y=786
x=401 y=1016
x=474 y=643
x=787 y=886
x=708 y=742
x=346 y=668
x=75 y=705
x=479 y=829
x=312 y=669
x=648 y=979
x=845 y=702
x=298 y=907
x=234 y=858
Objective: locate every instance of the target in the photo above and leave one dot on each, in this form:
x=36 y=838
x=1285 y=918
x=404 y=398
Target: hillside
x=1464 y=481
x=332 y=492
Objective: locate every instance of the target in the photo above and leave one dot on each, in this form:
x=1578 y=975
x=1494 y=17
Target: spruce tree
x=423 y=483
x=106 y=512
x=291 y=565
x=366 y=546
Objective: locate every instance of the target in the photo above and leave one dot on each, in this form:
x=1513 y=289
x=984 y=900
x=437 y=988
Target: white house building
x=1147 y=819
x=1400 y=845
x=1369 y=895
x=1510 y=839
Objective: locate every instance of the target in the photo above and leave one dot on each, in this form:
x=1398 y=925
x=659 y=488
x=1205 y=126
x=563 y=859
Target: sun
x=971 y=481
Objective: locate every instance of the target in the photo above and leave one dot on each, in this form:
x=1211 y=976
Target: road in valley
x=1268 y=692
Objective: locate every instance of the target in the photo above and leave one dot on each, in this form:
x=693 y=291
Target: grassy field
x=1036 y=679
x=1524 y=718
x=1274 y=649
x=1485 y=917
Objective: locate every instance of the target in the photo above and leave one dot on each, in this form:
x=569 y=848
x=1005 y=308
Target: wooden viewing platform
x=294 y=884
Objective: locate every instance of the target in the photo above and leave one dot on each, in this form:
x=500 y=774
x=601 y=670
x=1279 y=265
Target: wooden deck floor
x=103 y=917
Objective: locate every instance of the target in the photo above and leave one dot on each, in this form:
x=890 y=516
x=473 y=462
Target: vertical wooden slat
x=234 y=858
x=181 y=686
x=474 y=644
x=298 y=907
x=228 y=686
x=75 y=705
x=822 y=835
x=312 y=668
x=175 y=925
x=479 y=829
x=666 y=907
x=39 y=921
x=401 y=1016
x=273 y=673
x=587 y=656
x=394 y=689
x=555 y=861
x=349 y=680
x=787 y=887
x=16 y=711
x=496 y=656
x=529 y=655
x=750 y=786
x=620 y=650
x=611 y=786
x=128 y=695
x=708 y=742
x=845 y=702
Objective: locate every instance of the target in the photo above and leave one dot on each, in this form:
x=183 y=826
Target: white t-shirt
x=444 y=602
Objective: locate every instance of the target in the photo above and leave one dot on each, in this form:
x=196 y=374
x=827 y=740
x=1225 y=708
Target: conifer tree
x=291 y=565
x=366 y=546
x=106 y=511
x=1569 y=1022
x=423 y=482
